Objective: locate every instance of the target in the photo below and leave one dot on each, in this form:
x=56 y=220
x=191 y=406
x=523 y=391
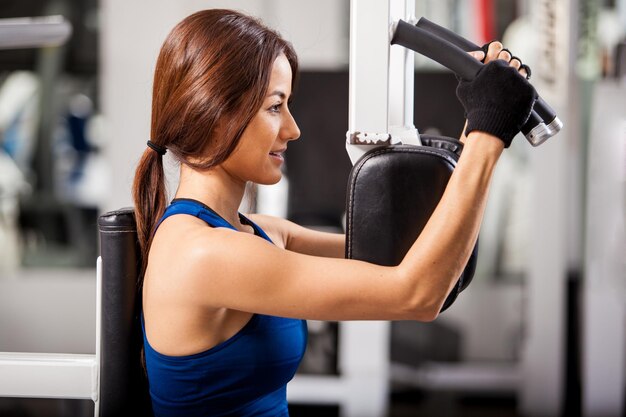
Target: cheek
x=258 y=139
x=265 y=135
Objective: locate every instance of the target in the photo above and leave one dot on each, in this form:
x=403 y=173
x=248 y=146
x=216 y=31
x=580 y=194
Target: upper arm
x=301 y=239
x=246 y=273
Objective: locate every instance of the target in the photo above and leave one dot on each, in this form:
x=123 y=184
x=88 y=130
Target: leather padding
x=392 y=192
x=123 y=384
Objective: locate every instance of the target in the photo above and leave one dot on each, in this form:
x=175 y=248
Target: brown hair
x=213 y=70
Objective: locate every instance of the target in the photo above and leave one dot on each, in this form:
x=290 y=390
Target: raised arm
x=220 y=268
x=226 y=269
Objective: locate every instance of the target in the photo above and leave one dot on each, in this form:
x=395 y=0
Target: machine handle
x=456 y=59
x=543 y=109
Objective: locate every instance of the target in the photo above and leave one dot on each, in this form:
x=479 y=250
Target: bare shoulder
x=195 y=264
x=186 y=251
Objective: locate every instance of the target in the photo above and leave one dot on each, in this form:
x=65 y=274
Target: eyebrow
x=277 y=93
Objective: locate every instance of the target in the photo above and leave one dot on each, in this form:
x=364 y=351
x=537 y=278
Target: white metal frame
x=362 y=387
x=381 y=77
x=55 y=375
x=603 y=299
x=378 y=103
x=34 y=32
x=542 y=356
x=48 y=375
x=381 y=105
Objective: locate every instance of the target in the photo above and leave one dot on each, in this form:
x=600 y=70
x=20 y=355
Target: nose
x=290 y=129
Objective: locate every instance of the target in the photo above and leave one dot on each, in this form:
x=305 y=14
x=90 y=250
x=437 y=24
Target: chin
x=269 y=180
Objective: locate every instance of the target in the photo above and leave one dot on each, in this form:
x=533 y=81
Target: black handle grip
x=547 y=114
x=447 y=35
x=437 y=49
x=455 y=59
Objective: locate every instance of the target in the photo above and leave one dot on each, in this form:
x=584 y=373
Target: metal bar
x=381 y=78
x=369 y=65
x=402 y=80
x=542 y=356
x=467 y=377
x=604 y=291
x=369 y=71
x=364 y=367
x=47 y=375
x=313 y=389
x=96 y=384
x=34 y=32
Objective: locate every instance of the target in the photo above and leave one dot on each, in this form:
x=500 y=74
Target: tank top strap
x=202 y=211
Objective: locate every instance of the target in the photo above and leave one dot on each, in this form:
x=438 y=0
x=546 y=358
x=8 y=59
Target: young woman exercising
x=224 y=295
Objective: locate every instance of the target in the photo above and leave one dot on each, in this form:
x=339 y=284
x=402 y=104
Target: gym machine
x=389 y=117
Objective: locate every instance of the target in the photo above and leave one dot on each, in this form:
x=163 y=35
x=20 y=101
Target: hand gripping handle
x=461 y=63
x=543 y=109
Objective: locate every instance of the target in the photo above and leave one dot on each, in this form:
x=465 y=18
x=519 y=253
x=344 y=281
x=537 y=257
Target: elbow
x=429 y=316
x=423 y=301
x=426 y=313
x=422 y=307
x=424 y=297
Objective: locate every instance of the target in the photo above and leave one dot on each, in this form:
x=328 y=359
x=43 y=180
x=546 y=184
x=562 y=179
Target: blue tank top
x=245 y=375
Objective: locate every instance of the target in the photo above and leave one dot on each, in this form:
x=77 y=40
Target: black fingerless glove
x=497 y=101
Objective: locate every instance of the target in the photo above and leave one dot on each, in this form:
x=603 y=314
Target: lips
x=278 y=153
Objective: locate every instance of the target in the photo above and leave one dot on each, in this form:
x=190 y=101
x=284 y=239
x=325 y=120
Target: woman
x=224 y=296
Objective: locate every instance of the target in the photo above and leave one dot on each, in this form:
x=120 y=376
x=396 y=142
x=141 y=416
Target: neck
x=214 y=187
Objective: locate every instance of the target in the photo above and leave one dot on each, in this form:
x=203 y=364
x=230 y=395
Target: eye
x=275 y=108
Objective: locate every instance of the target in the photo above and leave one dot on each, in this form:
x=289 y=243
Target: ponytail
x=199 y=84
x=150 y=199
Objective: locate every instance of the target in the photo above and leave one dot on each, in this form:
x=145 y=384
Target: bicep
x=248 y=274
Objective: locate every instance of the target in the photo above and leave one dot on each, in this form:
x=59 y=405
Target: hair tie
x=158 y=149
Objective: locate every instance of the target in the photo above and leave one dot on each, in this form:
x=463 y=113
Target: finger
x=479 y=55
x=515 y=62
x=493 y=51
x=525 y=71
x=505 y=55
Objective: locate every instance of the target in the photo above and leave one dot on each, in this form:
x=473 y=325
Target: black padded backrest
x=123 y=384
x=392 y=192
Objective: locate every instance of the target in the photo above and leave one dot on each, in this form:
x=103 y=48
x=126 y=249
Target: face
x=259 y=154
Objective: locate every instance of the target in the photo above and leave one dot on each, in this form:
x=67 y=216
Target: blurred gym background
x=540 y=332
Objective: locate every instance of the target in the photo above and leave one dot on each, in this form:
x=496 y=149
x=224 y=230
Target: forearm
x=438 y=257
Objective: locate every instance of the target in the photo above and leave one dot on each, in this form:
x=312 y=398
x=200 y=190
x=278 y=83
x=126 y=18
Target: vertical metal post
x=542 y=362
x=604 y=290
x=381 y=77
x=401 y=80
x=369 y=65
x=364 y=346
x=381 y=103
x=96 y=380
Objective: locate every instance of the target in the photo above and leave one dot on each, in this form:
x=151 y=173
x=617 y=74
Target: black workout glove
x=498 y=101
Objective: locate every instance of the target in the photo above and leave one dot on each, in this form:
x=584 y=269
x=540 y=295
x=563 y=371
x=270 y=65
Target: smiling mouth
x=277 y=154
